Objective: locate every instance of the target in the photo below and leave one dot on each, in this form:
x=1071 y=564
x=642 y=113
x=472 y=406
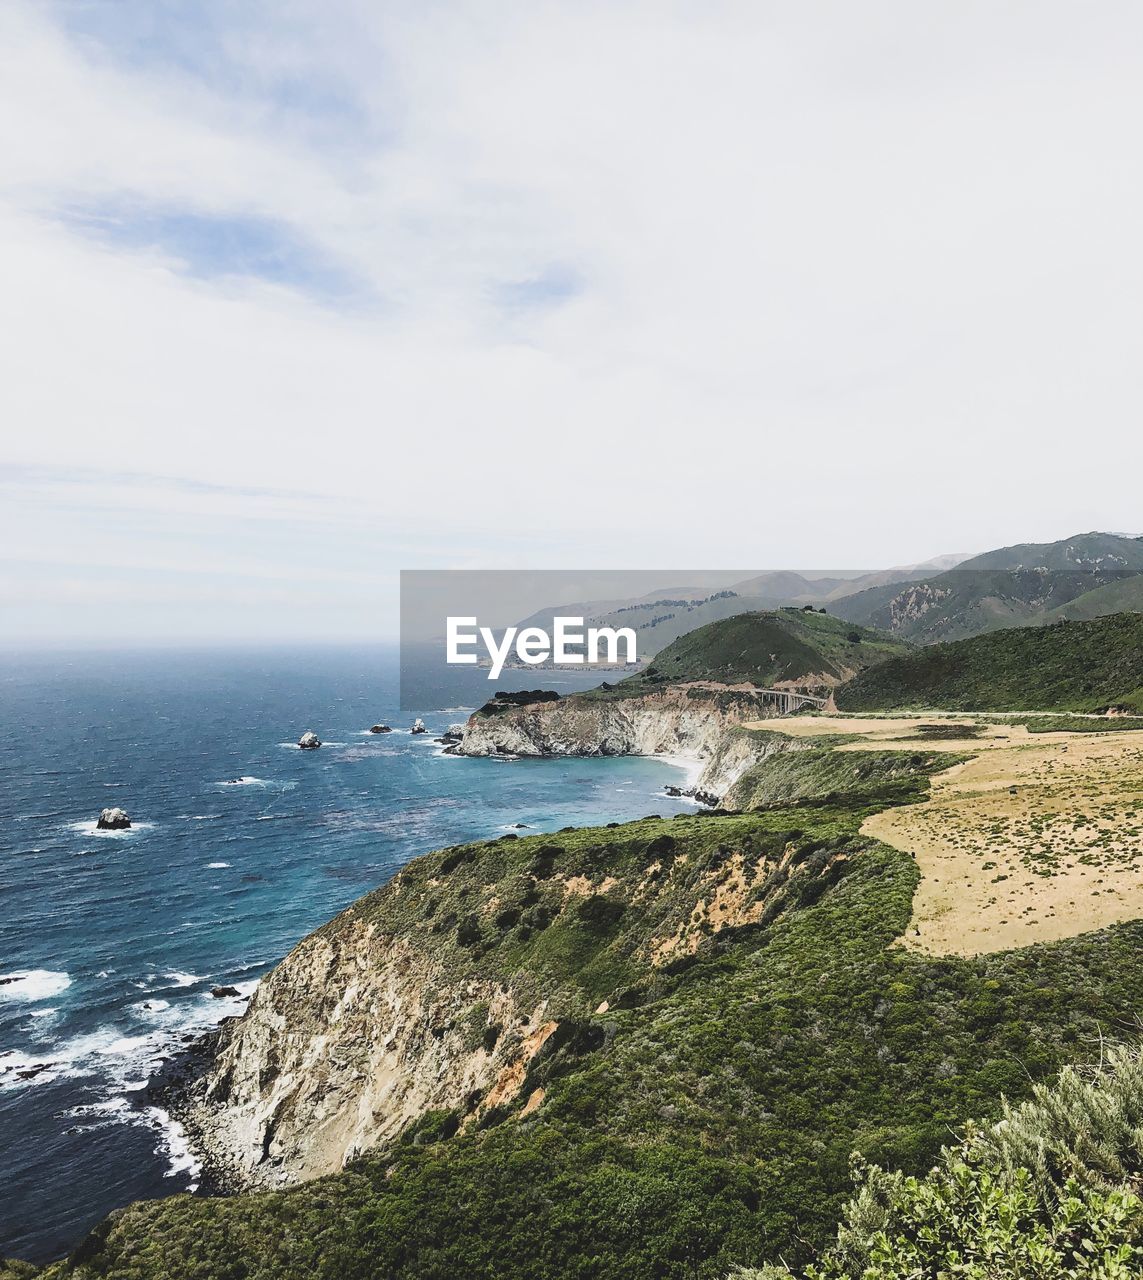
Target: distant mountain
x=660 y=617
x=1028 y=584
x=1068 y=666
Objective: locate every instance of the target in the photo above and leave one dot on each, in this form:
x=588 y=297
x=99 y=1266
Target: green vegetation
x=766 y=649
x=1069 y=666
x=1085 y=576
x=706 y=1118
x=817 y=770
x=1050 y=1191
x=1123 y=595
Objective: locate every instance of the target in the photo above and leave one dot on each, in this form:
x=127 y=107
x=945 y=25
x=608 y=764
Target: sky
x=300 y=293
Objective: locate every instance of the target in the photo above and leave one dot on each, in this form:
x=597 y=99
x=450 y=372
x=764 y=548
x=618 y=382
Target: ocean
x=111 y=943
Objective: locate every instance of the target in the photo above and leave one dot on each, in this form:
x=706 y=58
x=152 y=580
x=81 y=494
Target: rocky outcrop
x=687 y=720
x=356 y=1033
x=380 y=728
x=309 y=741
x=418 y=726
x=113 y=820
x=519 y=698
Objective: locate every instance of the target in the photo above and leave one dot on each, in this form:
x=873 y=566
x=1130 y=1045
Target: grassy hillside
x=1013 y=586
x=769 y=648
x=1070 y=666
x=1124 y=595
x=663 y=615
x=705 y=1117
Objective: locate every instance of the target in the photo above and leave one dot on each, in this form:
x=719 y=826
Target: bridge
x=787 y=701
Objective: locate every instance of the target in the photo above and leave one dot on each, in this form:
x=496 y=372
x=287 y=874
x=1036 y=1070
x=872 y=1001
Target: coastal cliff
x=355 y=1034
x=690 y=720
x=727 y=673
x=452 y=992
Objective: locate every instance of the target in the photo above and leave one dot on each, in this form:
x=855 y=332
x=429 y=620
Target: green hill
x=1011 y=587
x=769 y=648
x=1068 y=666
x=1124 y=595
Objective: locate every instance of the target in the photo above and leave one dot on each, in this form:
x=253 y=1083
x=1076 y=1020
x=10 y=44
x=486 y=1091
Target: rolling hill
x=1023 y=585
x=1084 y=666
x=782 y=646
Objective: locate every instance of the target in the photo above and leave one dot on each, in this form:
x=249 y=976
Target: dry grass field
x=1035 y=837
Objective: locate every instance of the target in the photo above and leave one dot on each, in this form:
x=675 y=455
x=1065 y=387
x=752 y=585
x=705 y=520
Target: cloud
x=212 y=246
x=622 y=283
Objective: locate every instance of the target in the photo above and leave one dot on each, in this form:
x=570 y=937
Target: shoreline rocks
x=113 y=820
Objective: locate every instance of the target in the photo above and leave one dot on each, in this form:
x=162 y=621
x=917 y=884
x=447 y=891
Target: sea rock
x=418 y=726
x=113 y=820
x=380 y=728
x=454 y=733
x=220 y=993
x=30 y=1073
x=673 y=791
x=309 y=741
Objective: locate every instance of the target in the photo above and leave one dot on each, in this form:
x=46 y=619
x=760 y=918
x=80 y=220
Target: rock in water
x=418 y=726
x=309 y=741
x=380 y=728
x=113 y=820
x=220 y=993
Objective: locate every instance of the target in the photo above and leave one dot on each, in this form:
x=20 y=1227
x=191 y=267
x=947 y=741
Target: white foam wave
x=216 y=866
x=151 y=1008
x=180 y=979
x=174 y=1144
x=92 y=828
x=247 y=780
x=124 y=1058
x=33 y=984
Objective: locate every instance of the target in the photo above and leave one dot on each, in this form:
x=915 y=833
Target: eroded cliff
x=461 y=986
x=688 y=720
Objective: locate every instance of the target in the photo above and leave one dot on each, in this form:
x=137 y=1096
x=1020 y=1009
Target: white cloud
x=854 y=285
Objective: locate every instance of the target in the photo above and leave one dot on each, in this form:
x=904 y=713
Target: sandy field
x=1036 y=837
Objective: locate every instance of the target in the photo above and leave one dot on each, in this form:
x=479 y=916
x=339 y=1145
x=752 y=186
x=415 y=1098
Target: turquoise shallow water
x=111 y=943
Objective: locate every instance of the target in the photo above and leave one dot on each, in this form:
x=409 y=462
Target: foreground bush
x=1048 y=1192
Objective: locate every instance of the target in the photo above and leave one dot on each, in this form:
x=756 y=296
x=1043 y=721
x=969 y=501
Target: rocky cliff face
x=357 y=1032
x=460 y=988
x=680 y=720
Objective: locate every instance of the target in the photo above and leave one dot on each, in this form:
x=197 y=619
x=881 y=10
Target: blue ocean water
x=110 y=943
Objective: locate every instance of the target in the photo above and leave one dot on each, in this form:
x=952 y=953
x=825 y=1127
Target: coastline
x=175 y=1092
x=692 y=767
